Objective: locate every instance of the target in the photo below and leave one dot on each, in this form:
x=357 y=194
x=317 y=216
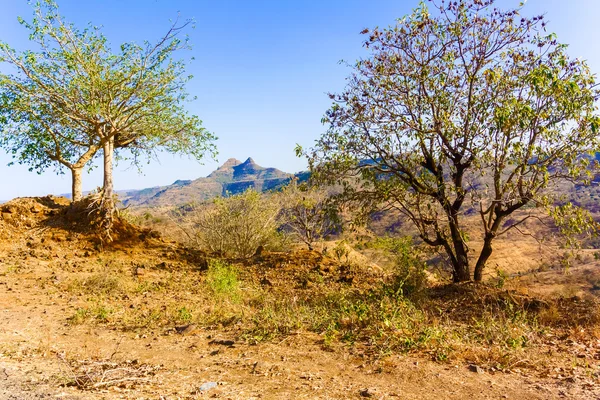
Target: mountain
x=232 y=177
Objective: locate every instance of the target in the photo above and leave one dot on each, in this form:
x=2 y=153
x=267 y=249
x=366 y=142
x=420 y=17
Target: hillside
x=232 y=177
x=147 y=317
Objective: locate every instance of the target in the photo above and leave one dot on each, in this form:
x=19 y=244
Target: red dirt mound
x=59 y=216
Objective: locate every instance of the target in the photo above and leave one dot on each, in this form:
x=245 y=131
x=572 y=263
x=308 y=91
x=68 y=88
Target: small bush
x=222 y=279
x=306 y=214
x=409 y=274
x=102 y=283
x=236 y=226
x=184 y=315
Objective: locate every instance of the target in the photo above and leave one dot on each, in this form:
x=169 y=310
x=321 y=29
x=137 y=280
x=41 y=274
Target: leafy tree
x=465 y=108
x=75 y=96
x=45 y=104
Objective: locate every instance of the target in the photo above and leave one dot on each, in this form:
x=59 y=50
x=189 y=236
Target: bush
x=305 y=213
x=409 y=274
x=237 y=226
x=222 y=279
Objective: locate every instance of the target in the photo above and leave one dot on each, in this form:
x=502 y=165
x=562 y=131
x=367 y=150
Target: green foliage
x=341 y=251
x=410 y=277
x=98 y=313
x=222 y=279
x=453 y=111
x=184 y=315
x=501 y=277
x=79 y=317
x=574 y=222
x=75 y=96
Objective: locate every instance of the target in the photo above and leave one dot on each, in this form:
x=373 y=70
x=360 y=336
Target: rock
x=367 y=392
x=265 y=282
x=207 y=386
x=476 y=368
x=222 y=342
x=260 y=368
x=185 y=329
x=10 y=209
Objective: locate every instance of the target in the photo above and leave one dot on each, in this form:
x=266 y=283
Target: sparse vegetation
x=464 y=121
x=152 y=290
x=222 y=280
x=305 y=213
x=235 y=226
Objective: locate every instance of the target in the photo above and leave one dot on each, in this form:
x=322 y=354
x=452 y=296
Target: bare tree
x=306 y=213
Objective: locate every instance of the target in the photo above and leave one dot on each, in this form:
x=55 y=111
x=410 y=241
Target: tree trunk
x=462 y=271
x=76 y=192
x=485 y=254
x=107 y=205
x=107 y=188
x=460 y=261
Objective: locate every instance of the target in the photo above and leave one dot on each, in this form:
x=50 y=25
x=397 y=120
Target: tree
x=46 y=104
x=305 y=212
x=75 y=96
x=473 y=108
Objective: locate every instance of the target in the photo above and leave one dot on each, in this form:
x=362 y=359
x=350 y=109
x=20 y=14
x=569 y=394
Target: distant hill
x=232 y=177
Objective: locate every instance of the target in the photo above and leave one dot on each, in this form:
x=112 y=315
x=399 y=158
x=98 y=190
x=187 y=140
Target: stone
x=186 y=329
x=207 y=386
x=476 y=368
x=367 y=392
x=222 y=342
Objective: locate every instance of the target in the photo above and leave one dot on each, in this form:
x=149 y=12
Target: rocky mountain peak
x=231 y=177
x=232 y=162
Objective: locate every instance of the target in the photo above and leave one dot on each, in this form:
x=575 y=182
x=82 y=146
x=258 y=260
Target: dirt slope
x=42 y=353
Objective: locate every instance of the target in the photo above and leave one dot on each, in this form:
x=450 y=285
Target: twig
x=116 y=348
x=517 y=362
x=117 y=381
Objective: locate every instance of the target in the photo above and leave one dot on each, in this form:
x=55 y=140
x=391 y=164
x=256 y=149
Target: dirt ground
x=42 y=354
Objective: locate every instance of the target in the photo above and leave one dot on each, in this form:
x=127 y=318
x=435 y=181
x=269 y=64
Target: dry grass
x=283 y=294
x=101 y=374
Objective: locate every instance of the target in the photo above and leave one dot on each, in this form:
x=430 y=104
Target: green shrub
x=409 y=274
x=222 y=280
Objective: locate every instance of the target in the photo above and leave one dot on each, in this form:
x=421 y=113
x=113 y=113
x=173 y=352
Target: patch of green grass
x=99 y=313
x=184 y=315
x=81 y=315
x=222 y=280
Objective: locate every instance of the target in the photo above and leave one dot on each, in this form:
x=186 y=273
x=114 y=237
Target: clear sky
x=262 y=70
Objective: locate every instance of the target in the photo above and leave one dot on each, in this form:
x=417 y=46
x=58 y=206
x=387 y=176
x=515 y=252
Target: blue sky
x=261 y=71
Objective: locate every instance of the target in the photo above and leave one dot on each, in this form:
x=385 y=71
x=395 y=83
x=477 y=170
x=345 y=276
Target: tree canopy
x=464 y=107
x=73 y=95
